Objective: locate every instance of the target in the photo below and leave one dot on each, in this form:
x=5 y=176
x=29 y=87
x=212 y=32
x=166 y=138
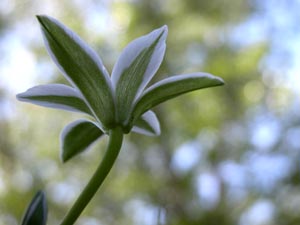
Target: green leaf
x=135 y=67
x=78 y=136
x=147 y=124
x=36 y=213
x=172 y=87
x=57 y=96
x=81 y=66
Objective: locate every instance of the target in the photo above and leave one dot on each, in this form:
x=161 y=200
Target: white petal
x=134 y=48
x=58 y=96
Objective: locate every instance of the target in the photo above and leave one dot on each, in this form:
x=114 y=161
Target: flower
x=122 y=99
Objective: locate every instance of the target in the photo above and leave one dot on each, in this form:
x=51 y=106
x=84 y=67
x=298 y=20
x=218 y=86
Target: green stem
x=112 y=151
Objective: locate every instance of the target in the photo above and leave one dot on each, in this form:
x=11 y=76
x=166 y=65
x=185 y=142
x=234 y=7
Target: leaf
x=147 y=124
x=55 y=96
x=135 y=67
x=36 y=213
x=81 y=66
x=78 y=136
x=172 y=87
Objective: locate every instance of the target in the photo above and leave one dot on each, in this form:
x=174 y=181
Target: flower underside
x=123 y=99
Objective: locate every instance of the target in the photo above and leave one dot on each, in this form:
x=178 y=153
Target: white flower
x=122 y=100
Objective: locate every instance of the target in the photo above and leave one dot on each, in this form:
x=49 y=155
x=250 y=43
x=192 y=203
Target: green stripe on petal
x=147 y=124
x=171 y=87
x=81 y=66
x=57 y=96
x=134 y=69
x=78 y=136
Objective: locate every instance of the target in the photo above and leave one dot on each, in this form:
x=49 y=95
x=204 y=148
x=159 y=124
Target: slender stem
x=112 y=151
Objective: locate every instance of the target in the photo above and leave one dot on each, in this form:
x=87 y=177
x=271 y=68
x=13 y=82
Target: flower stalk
x=112 y=151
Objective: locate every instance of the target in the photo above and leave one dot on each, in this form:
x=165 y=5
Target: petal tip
x=22 y=97
x=63 y=158
x=40 y=17
x=19 y=96
x=165 y=28
x=221 y=81
x=218 y=79
x=164 y=31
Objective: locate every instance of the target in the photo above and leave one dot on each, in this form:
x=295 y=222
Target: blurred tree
x=228 y=155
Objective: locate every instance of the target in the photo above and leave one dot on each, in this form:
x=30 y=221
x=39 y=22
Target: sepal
x=147 y=124
x=77 y=137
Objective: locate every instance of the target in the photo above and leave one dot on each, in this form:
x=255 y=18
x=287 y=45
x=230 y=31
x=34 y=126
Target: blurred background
x=226 y=155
